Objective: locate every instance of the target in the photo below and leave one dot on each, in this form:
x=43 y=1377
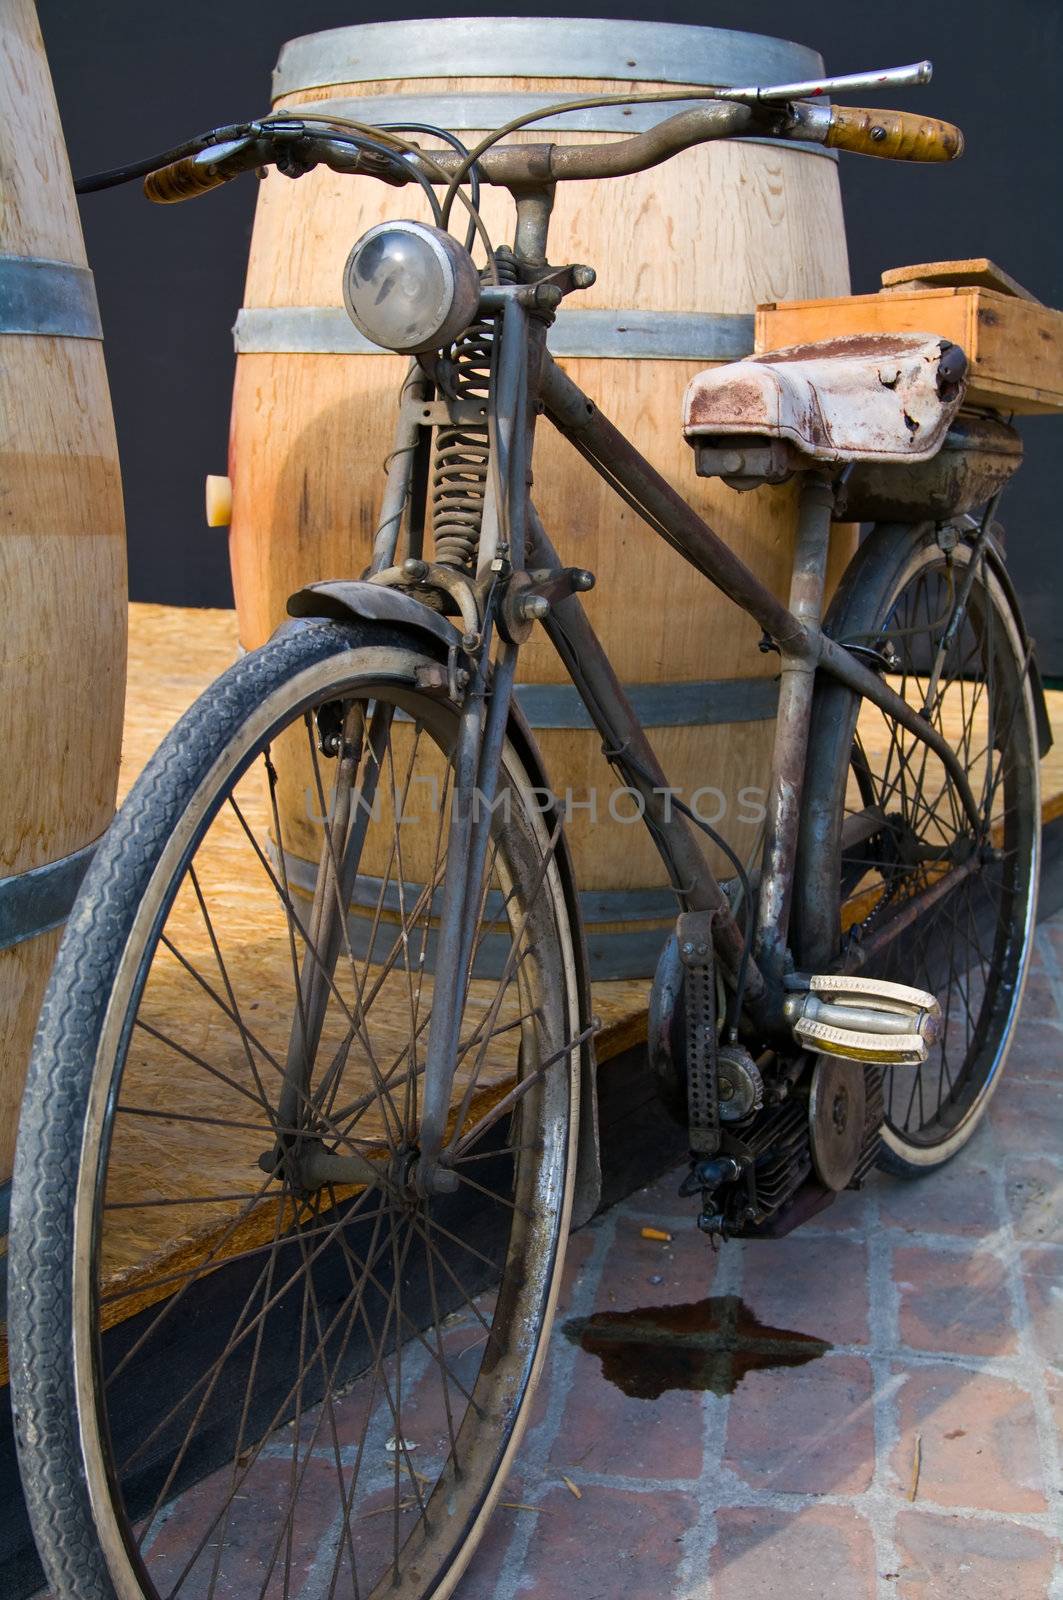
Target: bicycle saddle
x=868 y=397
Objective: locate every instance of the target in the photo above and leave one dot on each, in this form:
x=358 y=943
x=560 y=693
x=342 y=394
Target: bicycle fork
x=481 y=738
x=485 y=691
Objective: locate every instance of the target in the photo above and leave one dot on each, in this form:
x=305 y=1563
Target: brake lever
x=919 y=72
x=301 y=148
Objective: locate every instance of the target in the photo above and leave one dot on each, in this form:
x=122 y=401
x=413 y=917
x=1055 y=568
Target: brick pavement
x=942 y=1301
x=940 y=1304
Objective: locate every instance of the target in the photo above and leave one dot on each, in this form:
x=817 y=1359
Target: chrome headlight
x=409 y=287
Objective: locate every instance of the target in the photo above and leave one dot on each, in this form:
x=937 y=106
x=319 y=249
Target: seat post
x=796 y=683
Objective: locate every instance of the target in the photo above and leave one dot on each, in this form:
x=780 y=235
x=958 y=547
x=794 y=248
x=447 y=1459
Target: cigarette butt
x=380 y=1511
x=917 y=1462
x=657 y=1233
x=573 y=1488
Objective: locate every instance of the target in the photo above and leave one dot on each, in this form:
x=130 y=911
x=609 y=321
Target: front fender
x=342 y=601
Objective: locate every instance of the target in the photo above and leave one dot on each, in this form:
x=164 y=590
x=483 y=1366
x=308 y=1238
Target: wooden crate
x=1013 y=343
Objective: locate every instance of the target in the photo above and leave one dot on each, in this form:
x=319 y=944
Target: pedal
x=864 y=1019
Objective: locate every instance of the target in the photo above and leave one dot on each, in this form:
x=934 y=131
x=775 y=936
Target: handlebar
x=296 y=145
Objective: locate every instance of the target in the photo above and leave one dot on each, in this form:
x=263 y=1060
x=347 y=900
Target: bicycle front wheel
x=235 y=1359
x=883 y=823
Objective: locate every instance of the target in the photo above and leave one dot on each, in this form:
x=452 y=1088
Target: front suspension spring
x=461 y=457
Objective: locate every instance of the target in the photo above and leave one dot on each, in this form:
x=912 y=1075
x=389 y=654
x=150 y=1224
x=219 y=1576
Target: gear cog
x=741 y=1086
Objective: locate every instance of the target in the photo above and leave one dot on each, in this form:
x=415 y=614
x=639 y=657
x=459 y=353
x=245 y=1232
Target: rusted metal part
x=541 y=296
x=515 y=425
x=529 y=596
x=621 y=465
x=481 y=737
x=436 y=577
x=861 y=951
x=415 y=393
x=311 y=1167
x=693 y=931
x=581 y=651
x=534 y=207
x=746 y=463
x=666 y=1031
x=976 y=459
x=791 y=732
x=536 y=166
x=836 y=1116
x=868 y=397
x=448 y=990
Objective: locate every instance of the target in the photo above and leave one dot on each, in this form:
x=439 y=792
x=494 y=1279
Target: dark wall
x=134 y=78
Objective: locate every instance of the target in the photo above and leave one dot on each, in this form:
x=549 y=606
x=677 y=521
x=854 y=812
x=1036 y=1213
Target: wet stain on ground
x=706 y=1344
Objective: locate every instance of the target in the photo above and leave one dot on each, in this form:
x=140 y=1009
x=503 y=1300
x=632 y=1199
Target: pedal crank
x=863 y=1019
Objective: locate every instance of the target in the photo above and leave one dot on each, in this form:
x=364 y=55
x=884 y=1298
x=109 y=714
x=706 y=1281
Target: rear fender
x=995 y=557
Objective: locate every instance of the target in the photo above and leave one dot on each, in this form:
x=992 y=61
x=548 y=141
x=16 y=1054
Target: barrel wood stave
x=62 y=553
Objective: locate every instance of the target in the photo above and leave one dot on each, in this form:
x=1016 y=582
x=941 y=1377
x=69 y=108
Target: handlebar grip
x=182 y=180
x=893 y=135
x=207 y=169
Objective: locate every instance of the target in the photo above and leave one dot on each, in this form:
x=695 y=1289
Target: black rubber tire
x=41 y=1308
x=40 y=1290
x=869 y=588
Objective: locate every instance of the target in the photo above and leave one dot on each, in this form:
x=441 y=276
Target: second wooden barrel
x=683 y=254
x=62 y=553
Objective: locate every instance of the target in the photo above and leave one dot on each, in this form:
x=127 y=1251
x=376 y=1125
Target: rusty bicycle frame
x=526 y=380
x=519 y=577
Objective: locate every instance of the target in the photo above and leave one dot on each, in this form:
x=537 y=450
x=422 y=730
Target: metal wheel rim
x=982 y=1075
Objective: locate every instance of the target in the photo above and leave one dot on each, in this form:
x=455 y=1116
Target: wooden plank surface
x=976 y=272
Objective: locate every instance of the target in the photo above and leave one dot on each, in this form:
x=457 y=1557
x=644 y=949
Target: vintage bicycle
x=387 y=1069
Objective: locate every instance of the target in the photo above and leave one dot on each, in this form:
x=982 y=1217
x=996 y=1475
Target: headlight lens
x=409 y=287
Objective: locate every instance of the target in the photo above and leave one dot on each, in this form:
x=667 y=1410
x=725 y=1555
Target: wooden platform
x=1013 y=343
x=174 y=654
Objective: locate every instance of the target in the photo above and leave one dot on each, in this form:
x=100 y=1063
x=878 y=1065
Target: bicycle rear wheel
x=883 y=822
x=234 y=1363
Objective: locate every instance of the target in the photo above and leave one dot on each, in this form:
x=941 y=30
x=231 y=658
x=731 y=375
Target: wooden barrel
x=62 y=553
x=683 y=254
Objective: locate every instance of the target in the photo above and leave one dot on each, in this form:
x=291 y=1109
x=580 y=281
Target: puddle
x=708 y=1344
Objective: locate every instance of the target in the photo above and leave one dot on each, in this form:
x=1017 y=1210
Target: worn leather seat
x=869 y=397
